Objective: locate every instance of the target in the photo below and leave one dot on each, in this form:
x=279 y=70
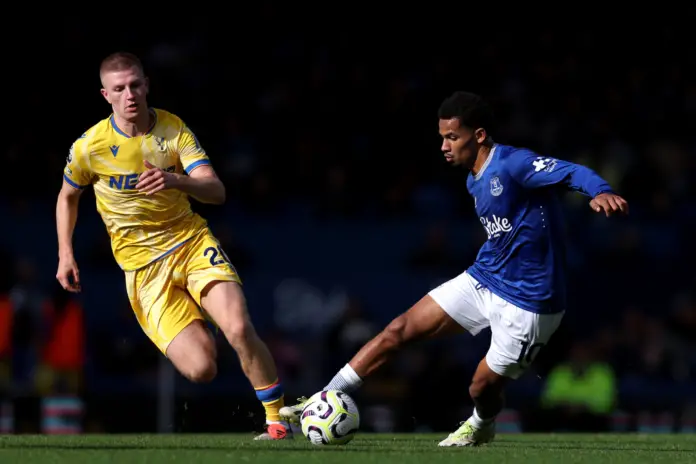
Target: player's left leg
x=225 y=303
x=516 y=338
x=487 y=392
x=214 y=283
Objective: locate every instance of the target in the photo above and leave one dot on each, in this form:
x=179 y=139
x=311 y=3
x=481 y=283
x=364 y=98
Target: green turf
x=382 y=449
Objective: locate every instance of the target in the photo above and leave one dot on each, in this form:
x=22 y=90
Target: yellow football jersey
x=142 y=228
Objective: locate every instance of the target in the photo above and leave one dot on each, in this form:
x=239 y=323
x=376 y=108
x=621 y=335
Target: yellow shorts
x=166 y=294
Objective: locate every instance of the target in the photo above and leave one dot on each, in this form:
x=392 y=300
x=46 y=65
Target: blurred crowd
x=344 y=131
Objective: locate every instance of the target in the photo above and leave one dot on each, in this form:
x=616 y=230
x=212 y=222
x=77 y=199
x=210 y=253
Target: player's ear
x=105 y=94
x=480 y=135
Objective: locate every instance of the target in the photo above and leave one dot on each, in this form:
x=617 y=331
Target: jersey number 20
x=214 y=252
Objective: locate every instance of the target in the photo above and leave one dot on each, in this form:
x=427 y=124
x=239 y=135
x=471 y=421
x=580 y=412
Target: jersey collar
x=488 y=161
x=112 y=120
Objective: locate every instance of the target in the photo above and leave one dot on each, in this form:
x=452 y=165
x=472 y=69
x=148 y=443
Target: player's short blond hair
x=120 y=61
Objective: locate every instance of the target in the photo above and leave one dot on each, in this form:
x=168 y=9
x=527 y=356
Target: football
x=330 y=417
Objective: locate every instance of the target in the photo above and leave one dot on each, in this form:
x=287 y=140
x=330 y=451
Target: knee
x=239 y=333
x=394 y=334
x=203 y=370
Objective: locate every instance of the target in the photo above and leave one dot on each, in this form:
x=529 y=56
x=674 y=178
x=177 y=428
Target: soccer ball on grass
x=330 y=417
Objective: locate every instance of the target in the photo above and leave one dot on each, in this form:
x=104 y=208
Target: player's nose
x=445 y=146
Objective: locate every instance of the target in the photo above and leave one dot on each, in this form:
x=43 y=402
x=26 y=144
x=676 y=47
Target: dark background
x=341 y=211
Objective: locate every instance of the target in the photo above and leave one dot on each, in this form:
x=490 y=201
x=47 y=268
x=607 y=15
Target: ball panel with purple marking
x=330 y=417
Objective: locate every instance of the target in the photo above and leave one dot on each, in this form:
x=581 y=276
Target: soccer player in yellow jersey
x=143 y=164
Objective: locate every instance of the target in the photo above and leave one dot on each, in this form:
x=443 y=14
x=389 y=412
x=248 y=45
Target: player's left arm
x=203 y=184
x=534 y=171
x=200 y=181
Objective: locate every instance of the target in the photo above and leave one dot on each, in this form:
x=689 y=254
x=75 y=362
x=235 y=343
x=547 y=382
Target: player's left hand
x=609 y=203
x=155 y=180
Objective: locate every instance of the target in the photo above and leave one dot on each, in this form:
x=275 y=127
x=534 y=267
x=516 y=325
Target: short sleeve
x=77 y=170
x=191 y=153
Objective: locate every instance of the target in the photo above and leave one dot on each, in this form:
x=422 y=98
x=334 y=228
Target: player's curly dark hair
x=470 y=109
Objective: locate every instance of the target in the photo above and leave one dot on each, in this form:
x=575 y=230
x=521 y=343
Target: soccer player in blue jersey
x=516 y=286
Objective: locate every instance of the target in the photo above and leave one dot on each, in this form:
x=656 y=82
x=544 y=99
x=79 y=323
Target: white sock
x=478 y=422
x=346 y=380
x=281 y=422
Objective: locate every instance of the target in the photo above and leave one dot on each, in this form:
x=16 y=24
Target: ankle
x=478 y=421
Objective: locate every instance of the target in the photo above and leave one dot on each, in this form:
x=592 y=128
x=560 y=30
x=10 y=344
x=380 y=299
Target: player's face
x=126 y=90
x=460 y=144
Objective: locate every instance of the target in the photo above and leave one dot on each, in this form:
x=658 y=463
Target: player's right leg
x=171 y=318
x=451 y=308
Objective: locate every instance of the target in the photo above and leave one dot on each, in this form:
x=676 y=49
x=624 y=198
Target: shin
x=487 y=392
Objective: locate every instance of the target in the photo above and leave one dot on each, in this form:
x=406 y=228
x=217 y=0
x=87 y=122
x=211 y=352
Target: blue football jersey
x=517 y=199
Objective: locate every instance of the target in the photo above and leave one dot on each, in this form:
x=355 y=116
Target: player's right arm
x=76 y=177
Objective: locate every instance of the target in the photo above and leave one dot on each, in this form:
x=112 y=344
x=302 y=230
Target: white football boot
x=291 y=414
x=468 y=435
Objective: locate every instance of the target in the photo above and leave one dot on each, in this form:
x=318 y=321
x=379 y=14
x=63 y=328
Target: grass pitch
x=379 y=449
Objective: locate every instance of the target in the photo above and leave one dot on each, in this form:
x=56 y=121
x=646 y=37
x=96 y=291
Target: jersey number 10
x=528 y=353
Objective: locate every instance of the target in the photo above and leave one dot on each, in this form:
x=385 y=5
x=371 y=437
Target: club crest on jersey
x=496 y=187
x=160 y=143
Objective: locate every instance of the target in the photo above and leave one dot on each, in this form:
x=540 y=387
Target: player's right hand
x=68 y=275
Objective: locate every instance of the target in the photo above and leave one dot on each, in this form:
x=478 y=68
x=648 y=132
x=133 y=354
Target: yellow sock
x=272 y=398
x=272 y=408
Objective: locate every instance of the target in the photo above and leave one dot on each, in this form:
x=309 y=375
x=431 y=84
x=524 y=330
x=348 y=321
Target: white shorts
x=516 y=335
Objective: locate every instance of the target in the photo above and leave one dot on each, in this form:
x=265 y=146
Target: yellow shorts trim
x=166 y=294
